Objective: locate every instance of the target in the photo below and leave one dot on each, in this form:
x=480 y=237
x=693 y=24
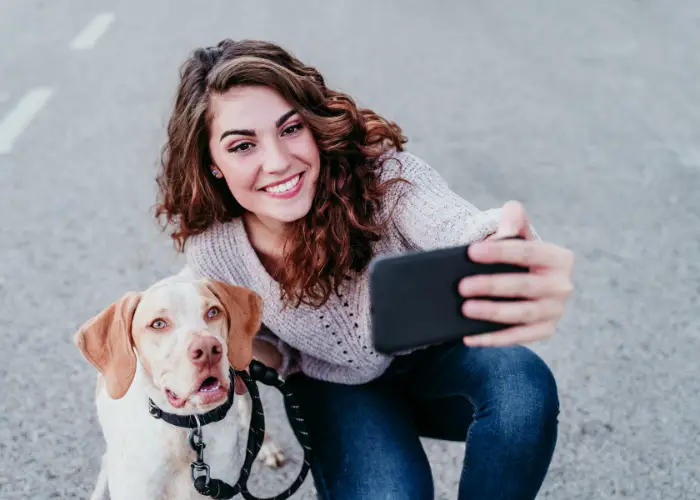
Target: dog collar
x=194 y=421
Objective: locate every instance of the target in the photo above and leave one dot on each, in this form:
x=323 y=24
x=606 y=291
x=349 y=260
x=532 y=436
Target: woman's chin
x=288 y=215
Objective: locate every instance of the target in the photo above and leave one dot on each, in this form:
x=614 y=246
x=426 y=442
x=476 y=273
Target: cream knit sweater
x=333 y=342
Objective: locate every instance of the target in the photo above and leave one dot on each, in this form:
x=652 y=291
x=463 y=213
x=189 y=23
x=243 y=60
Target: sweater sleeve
x=426 y=213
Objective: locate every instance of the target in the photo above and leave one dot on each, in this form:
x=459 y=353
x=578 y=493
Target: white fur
x=147 y=458
x=150 y=459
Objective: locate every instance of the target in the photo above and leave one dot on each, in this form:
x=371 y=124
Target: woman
x=275 y=182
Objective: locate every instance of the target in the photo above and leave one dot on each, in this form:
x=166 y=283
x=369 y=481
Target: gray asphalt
x=589 y=112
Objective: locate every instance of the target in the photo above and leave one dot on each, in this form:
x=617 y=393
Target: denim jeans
x=501 y=401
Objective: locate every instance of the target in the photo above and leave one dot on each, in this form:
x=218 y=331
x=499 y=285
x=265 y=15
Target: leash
x=199 y=470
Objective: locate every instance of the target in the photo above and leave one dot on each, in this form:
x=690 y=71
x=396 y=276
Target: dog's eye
x=159 y=324
x=213 y=312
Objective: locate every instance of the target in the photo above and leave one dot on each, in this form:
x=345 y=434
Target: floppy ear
x=244 y=309
x=105 y=340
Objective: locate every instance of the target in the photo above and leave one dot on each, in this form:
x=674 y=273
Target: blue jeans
x=501 y=401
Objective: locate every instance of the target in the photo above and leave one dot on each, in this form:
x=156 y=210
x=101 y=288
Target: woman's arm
x=427 y=214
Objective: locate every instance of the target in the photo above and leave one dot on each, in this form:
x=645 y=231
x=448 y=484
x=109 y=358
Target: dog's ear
x=105 y=340
x=244 y=309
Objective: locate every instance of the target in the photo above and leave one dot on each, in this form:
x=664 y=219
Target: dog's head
x=186 y=334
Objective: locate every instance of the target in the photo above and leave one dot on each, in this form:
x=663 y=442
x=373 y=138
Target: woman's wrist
x=266 y=352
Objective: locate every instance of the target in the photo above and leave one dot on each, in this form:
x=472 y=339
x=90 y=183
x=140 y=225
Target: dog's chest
x=149 y=458
x=180 y=487
x=176 y=450
x=220 y=453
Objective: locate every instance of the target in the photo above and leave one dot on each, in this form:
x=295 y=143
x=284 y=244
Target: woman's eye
x=292 y=129
x=242 y=147
x=213 y=312
x=159 y=324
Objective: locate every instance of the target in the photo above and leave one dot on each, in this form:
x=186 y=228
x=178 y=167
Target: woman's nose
x=277 y=158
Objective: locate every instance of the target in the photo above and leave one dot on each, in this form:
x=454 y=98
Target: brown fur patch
x=244 y=314
x=105 y=340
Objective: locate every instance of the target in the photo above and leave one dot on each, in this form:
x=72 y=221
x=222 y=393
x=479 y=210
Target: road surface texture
x=588 y=112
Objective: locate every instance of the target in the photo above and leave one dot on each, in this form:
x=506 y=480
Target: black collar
x=190 y=421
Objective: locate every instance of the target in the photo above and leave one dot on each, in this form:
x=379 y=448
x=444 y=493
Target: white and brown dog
x=172 y=343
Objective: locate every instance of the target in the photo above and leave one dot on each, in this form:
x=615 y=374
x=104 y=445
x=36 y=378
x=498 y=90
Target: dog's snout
x=205 y=351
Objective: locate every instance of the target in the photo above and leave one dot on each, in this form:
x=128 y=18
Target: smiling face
x=265 y=152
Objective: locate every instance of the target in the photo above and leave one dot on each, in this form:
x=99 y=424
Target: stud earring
x=215 y=172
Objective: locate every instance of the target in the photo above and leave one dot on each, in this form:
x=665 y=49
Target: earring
x=215 y=172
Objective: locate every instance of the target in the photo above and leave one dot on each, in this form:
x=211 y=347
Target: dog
x=173 y=343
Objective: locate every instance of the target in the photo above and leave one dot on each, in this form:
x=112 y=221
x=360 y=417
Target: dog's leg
x=271 y=453
x=101 y=485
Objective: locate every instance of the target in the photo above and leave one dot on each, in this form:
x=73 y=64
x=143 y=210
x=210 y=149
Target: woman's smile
x=287 y=188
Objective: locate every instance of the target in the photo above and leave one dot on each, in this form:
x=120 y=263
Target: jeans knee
x=375 y=486
x=541 y=386
x=527 y=401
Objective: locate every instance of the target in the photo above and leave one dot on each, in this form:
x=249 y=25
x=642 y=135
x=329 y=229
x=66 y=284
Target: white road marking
x=17 y=120
x=87 y=38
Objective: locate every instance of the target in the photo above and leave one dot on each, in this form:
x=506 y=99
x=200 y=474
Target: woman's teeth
x=283 y=188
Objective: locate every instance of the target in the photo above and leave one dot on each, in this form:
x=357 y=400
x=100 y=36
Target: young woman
x=275 y=182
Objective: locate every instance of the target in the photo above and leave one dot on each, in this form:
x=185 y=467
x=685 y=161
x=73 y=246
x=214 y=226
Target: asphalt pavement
x=588 y=112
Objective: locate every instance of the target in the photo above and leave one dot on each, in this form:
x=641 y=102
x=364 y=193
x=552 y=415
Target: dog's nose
x=205 y=351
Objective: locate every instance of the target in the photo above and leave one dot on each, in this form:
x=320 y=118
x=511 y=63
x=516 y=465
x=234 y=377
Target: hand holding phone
x=415 y=299
x=491 y=293
x=543 y=291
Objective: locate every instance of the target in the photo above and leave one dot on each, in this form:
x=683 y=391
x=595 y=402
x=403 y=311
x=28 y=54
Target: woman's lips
x=287 y=189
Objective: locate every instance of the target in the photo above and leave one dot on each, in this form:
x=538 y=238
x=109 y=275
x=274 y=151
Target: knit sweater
x=333 y=342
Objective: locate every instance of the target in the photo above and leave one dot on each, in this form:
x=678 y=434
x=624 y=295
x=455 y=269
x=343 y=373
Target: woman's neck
x=267 y=239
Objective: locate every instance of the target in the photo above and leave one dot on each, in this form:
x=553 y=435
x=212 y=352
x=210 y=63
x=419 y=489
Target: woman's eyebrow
x=251 y=133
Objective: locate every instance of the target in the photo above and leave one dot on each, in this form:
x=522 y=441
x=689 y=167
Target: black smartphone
x=414 y=300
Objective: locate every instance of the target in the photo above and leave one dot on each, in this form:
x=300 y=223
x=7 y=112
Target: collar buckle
x=154 y=410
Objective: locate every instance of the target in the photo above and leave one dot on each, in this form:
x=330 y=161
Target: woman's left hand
x=545 y=288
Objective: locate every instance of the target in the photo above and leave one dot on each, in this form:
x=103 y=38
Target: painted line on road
x=17 y=120
x=87 y=38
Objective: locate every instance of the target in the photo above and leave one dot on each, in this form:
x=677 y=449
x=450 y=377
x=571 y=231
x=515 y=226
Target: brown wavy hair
x=334 y=239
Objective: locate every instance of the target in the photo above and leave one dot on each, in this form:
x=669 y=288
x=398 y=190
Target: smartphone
x=414 y=300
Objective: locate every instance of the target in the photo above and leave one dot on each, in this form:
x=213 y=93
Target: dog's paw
x=271 y=454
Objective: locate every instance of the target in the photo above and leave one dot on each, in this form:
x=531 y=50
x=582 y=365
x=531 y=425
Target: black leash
x=220 y=490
